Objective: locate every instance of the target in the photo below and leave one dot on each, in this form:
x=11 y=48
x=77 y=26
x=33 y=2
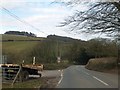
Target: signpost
x=33 y=60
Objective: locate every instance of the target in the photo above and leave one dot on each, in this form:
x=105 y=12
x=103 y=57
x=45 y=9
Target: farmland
x=19 y=48
x=19 y=37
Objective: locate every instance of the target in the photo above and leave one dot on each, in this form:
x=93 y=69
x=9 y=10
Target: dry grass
x=44 y=82
x=103 y=64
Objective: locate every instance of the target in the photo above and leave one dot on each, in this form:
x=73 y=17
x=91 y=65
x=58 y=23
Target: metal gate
x=9 y=73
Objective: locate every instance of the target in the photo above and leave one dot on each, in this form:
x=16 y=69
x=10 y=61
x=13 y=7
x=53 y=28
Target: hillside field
x=18 y=49
x=19 y=37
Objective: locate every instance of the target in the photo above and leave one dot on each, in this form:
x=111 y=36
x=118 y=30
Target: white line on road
x=86 y=73
x=61 y=78
x=100 y=81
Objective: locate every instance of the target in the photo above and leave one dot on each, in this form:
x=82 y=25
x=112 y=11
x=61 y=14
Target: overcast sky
x=42 y=14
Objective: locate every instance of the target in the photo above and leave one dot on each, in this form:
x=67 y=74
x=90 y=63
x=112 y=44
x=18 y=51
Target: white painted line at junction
x=60 y=80
x=100 y=81
x=61 y=77
x=86 y=73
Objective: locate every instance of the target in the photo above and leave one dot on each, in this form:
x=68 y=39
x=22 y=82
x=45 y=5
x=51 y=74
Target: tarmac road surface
x=78 y=76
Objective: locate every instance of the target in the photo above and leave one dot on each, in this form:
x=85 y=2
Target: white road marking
x=100 y=81
x=60 y=80
x=61 y=77
x=86 y=73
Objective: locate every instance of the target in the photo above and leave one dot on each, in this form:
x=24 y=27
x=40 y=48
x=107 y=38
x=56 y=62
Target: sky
x=43 y=17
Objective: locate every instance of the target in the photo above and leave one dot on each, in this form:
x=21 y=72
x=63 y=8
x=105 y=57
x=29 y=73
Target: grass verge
x=33 y=84
x=56 y=66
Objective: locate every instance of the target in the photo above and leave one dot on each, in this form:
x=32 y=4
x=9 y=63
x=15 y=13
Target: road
x=48 y=73
x=78 y=77
x=51 y=73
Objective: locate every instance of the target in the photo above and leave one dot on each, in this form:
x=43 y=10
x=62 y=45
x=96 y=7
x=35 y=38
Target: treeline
x=80 y=53
x=23 y=33
x=76 y=51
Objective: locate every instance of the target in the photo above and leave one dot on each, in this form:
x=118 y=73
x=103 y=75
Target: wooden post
x=34 y=61
x=17 y=74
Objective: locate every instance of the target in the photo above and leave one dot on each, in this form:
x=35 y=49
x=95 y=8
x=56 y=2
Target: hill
x=23 y=33
x=63 y=39
x=8 y=37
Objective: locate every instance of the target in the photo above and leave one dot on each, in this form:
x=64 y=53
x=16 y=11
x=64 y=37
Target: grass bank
x=33 y=84
x=18 y=51
x=103 y=64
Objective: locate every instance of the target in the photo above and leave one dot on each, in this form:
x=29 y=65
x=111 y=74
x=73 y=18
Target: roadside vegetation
x=103 y=64
x=33 y=83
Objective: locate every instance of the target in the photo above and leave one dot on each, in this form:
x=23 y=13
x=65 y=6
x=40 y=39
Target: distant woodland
x=23 y=33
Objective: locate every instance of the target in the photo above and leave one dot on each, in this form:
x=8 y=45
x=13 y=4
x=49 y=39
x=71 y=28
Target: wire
x=16 y=17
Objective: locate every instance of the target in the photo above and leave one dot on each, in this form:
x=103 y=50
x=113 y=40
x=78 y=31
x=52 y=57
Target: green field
x=17 y=50
x=18 y=47
x=19 y=37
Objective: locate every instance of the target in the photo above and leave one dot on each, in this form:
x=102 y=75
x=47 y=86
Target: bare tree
x=101 y=17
